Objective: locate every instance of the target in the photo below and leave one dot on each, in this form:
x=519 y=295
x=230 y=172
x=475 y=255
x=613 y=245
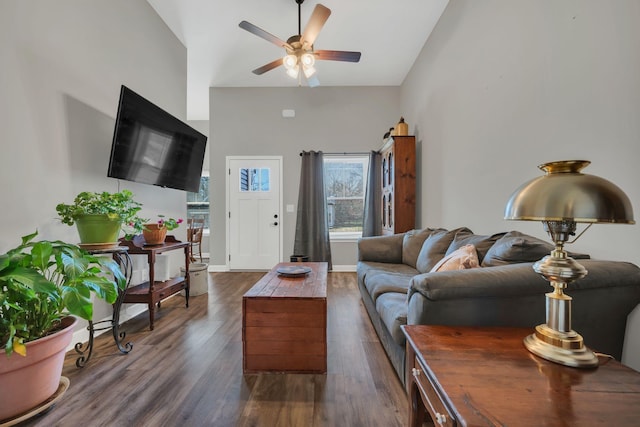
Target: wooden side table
x=153 y=292
x=466 y=376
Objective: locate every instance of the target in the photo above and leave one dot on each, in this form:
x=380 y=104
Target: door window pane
x=255 y=179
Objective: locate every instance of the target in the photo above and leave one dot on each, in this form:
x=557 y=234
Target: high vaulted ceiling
x=389 y=33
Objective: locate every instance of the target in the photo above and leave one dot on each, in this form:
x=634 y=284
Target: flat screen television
x=151 y=146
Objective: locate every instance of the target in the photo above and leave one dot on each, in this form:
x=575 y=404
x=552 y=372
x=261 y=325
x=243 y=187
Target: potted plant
x=43 y=286
x=155 y=233
x=99 y=217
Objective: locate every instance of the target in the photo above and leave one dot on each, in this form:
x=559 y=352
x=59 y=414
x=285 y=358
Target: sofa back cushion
x=435 y=246
x=412 y=243
x=481 y=243
x=516 y=247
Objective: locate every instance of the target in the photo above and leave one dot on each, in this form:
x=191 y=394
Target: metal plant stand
x=120 y=255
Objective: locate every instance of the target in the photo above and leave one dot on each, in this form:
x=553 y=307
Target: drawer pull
x=441 y=418
x=415 y=372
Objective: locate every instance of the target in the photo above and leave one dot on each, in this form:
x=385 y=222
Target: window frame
x=347 y=236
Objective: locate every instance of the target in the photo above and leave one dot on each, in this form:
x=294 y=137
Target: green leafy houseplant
x=116 y=206
x=42 y=282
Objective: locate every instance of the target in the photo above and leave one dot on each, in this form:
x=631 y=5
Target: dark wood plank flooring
x=188 y=371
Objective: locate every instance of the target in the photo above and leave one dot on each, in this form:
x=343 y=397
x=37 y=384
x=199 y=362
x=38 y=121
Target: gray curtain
x=372 y=218
x=312 y=225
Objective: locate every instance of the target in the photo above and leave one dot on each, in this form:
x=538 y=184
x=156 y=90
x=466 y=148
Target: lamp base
x=560 y=347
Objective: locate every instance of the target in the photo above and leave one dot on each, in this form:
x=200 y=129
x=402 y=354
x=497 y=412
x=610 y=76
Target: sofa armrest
x=498 y=281
x=381 y=248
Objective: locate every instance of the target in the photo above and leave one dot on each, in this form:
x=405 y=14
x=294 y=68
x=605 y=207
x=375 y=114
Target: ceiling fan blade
x=338 y=55
x=268 y=67
x=263 y=34
x=316 y=22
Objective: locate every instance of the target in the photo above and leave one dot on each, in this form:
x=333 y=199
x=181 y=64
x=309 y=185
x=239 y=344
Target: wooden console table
x=152 y=291
x=466 y=376
x=284 y=322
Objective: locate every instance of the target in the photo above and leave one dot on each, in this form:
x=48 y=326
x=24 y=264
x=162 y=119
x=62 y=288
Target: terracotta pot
x=154 y=234
x=27 y=381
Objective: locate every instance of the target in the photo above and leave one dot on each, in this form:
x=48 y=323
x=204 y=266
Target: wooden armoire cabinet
x=398 y=184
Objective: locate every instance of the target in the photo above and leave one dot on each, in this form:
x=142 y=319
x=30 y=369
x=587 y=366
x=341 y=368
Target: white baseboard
x=336 y=268
x=343 y=268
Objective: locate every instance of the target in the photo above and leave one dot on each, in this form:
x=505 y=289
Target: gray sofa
x=398 y=287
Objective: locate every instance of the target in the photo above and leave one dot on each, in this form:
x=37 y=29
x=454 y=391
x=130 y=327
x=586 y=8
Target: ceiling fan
x=300 y=52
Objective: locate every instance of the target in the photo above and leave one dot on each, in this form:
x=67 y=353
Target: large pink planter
x=26 y=382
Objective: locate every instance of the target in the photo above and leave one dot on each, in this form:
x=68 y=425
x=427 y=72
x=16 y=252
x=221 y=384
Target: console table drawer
x=433 y=402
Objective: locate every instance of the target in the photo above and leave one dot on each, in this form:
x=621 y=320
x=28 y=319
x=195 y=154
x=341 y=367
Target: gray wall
x=248 y=121
x=62 y=66
x=502 y=86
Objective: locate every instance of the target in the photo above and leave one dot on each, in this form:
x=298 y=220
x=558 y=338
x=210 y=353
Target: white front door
x=254 y=239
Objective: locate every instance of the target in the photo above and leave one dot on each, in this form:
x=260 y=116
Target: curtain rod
x=353 y=153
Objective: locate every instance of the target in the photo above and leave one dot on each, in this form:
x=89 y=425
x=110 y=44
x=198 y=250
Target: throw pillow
x=515 y=247
x=460 y=259
x=482 y=243
x=412 y=243
x=434 y=248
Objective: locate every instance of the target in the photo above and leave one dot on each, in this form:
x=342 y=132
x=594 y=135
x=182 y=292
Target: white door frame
x=228 y=203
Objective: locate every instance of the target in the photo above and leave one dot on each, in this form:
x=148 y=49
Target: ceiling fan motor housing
x=298 y=48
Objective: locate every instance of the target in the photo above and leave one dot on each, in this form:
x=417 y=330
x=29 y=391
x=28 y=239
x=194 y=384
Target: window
x=345 y=180
x=198 y=203
x=255 y=180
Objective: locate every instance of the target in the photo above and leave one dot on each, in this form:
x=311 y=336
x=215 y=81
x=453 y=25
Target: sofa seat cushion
x=380 y=282
x=392 y=308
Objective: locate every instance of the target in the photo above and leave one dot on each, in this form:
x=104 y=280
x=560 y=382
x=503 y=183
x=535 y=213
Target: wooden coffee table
x=466 y=376
x=284 y=322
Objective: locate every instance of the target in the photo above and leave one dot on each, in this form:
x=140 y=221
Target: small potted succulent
x=100 y=217
x=44 y=285
x=155 y=233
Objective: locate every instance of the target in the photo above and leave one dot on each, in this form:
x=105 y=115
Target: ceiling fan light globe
x=290 y=62
x=293 y=72
x=308 y=71
x=308 y=60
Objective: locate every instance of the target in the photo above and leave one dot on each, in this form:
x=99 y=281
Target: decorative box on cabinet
x=398 y=184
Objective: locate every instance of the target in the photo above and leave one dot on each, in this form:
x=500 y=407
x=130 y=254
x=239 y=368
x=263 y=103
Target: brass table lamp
x=560 y=199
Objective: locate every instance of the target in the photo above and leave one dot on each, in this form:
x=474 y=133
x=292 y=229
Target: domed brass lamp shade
x=561 y=198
